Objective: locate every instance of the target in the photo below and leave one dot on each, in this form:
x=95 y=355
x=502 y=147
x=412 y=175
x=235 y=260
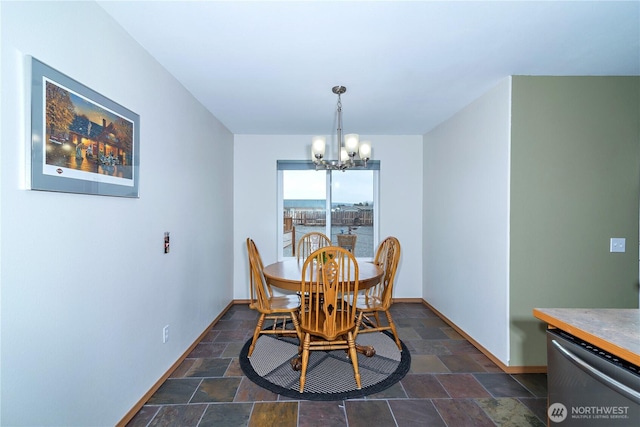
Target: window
x=335 y=203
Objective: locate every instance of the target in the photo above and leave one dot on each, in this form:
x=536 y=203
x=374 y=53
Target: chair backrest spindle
x=310 y=242
x=387 y=257
x=261 y=292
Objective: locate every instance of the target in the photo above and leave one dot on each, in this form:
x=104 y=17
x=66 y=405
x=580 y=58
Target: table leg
x=366 y=350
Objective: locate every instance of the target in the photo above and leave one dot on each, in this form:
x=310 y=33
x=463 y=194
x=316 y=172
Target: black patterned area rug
x=330 y=373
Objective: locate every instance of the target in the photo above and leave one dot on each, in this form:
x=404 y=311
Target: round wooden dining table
x=287 y=274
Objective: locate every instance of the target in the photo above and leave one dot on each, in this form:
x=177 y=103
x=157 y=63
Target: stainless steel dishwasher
x=588 y=386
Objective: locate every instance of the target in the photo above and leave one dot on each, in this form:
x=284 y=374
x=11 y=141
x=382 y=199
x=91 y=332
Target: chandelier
x=347 y=150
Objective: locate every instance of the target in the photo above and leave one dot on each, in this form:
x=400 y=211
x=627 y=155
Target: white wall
x=466 y=219
x=84 y=284
x=255 y=204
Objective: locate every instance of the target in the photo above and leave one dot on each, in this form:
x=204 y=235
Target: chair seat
x=285 y=303
x=370 y=303
x=322 y=332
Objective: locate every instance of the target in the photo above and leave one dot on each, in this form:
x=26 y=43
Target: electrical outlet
x=165 y=334
x=617 y=244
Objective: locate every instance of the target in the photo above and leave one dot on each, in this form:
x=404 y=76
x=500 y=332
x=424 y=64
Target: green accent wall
x=575 y=183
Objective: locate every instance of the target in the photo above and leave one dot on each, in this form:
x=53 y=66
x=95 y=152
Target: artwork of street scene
x=84 y=136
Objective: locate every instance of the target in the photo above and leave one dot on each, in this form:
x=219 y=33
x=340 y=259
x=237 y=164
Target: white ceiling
x=268 y=67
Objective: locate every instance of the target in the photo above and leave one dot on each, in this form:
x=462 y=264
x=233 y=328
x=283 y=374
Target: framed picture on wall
x=81 y=141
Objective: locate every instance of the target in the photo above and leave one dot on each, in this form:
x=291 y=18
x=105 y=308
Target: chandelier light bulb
x=351 y=143
x=344 y=155
x=318 y=144
x=365 y=150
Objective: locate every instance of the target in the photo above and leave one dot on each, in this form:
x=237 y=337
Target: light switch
x=617 y=244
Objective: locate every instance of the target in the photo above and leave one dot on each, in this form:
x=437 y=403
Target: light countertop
x=615 y=330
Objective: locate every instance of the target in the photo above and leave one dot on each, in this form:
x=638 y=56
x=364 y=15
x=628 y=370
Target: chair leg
x=296 y=325
x=375 y=314
x=358 y=324
x=393 y=329
x=368 y=322
x=256 y=334
x=353 y=355
x=305 y=360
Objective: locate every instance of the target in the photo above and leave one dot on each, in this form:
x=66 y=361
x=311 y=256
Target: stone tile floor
x=450 y=383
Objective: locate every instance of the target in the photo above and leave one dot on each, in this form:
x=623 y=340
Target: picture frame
x=81 y=141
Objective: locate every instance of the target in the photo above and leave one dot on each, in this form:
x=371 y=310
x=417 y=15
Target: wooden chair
x=310 y=242
x=347 y=241
x=379 y=297
x=278 y=309
x=327 y=315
